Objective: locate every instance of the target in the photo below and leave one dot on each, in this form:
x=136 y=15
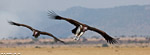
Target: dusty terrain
x=77 y=51
x=127 y=46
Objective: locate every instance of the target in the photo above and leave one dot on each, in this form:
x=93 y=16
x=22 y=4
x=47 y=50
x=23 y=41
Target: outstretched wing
x=53 y=15
x=108 y=38
x=55 y=38
x=17 y=24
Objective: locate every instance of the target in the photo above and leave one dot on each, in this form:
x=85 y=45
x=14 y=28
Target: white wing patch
x=78 y=30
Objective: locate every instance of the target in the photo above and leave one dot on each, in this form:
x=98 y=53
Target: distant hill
x=123 y=20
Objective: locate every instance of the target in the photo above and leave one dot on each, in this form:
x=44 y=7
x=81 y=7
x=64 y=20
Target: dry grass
x=10 y=46
x=66 y=50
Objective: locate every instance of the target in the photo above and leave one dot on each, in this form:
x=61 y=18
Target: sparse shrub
x=31 y=42
x=122 y=36
x=15 y=38
x=45 y=42
x=52 y=47
x=19 y=43
x=1 y=43
x=84 y=39
x=130 y=41
x=71 y=42
x=97 y=46
x=141 y=42
x=37 y=47
x=52 y=42
x=48 y=42
x=105 y=45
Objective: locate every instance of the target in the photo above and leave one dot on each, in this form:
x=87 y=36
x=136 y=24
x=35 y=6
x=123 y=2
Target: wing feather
x=17 y=24
x=108 y=38
x=55 y=16
x=56 y=39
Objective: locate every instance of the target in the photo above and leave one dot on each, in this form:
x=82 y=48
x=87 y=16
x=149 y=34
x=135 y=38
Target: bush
x=105 y=45
x=31 y=42
x=84 y=39
x=1 y=43
x=37 y=47
x=45 y=42
x=19 y=43
x=71 y=42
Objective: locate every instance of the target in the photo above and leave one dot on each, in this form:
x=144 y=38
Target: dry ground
x=77 y=51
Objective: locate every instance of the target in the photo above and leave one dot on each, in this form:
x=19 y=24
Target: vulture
x=36 y=33
x=80 y=28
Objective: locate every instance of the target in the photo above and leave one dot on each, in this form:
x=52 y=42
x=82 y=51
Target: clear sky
x=9 y=8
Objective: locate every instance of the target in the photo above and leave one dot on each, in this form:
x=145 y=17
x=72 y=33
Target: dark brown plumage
x=82 y=27
x=36 y=33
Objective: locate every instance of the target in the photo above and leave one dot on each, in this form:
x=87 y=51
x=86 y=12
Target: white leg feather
x=75 y=38
x=78 y=37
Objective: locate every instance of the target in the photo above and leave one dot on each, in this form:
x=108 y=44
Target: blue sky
x=10 y=8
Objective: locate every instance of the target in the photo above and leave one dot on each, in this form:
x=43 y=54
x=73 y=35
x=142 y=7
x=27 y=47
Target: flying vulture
x=80 y=28
x=36 y=33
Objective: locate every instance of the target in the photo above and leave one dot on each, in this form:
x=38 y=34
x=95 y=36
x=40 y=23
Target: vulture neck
x=36 y=33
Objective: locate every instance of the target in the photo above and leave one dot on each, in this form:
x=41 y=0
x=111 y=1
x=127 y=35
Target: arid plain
x=128 y=46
